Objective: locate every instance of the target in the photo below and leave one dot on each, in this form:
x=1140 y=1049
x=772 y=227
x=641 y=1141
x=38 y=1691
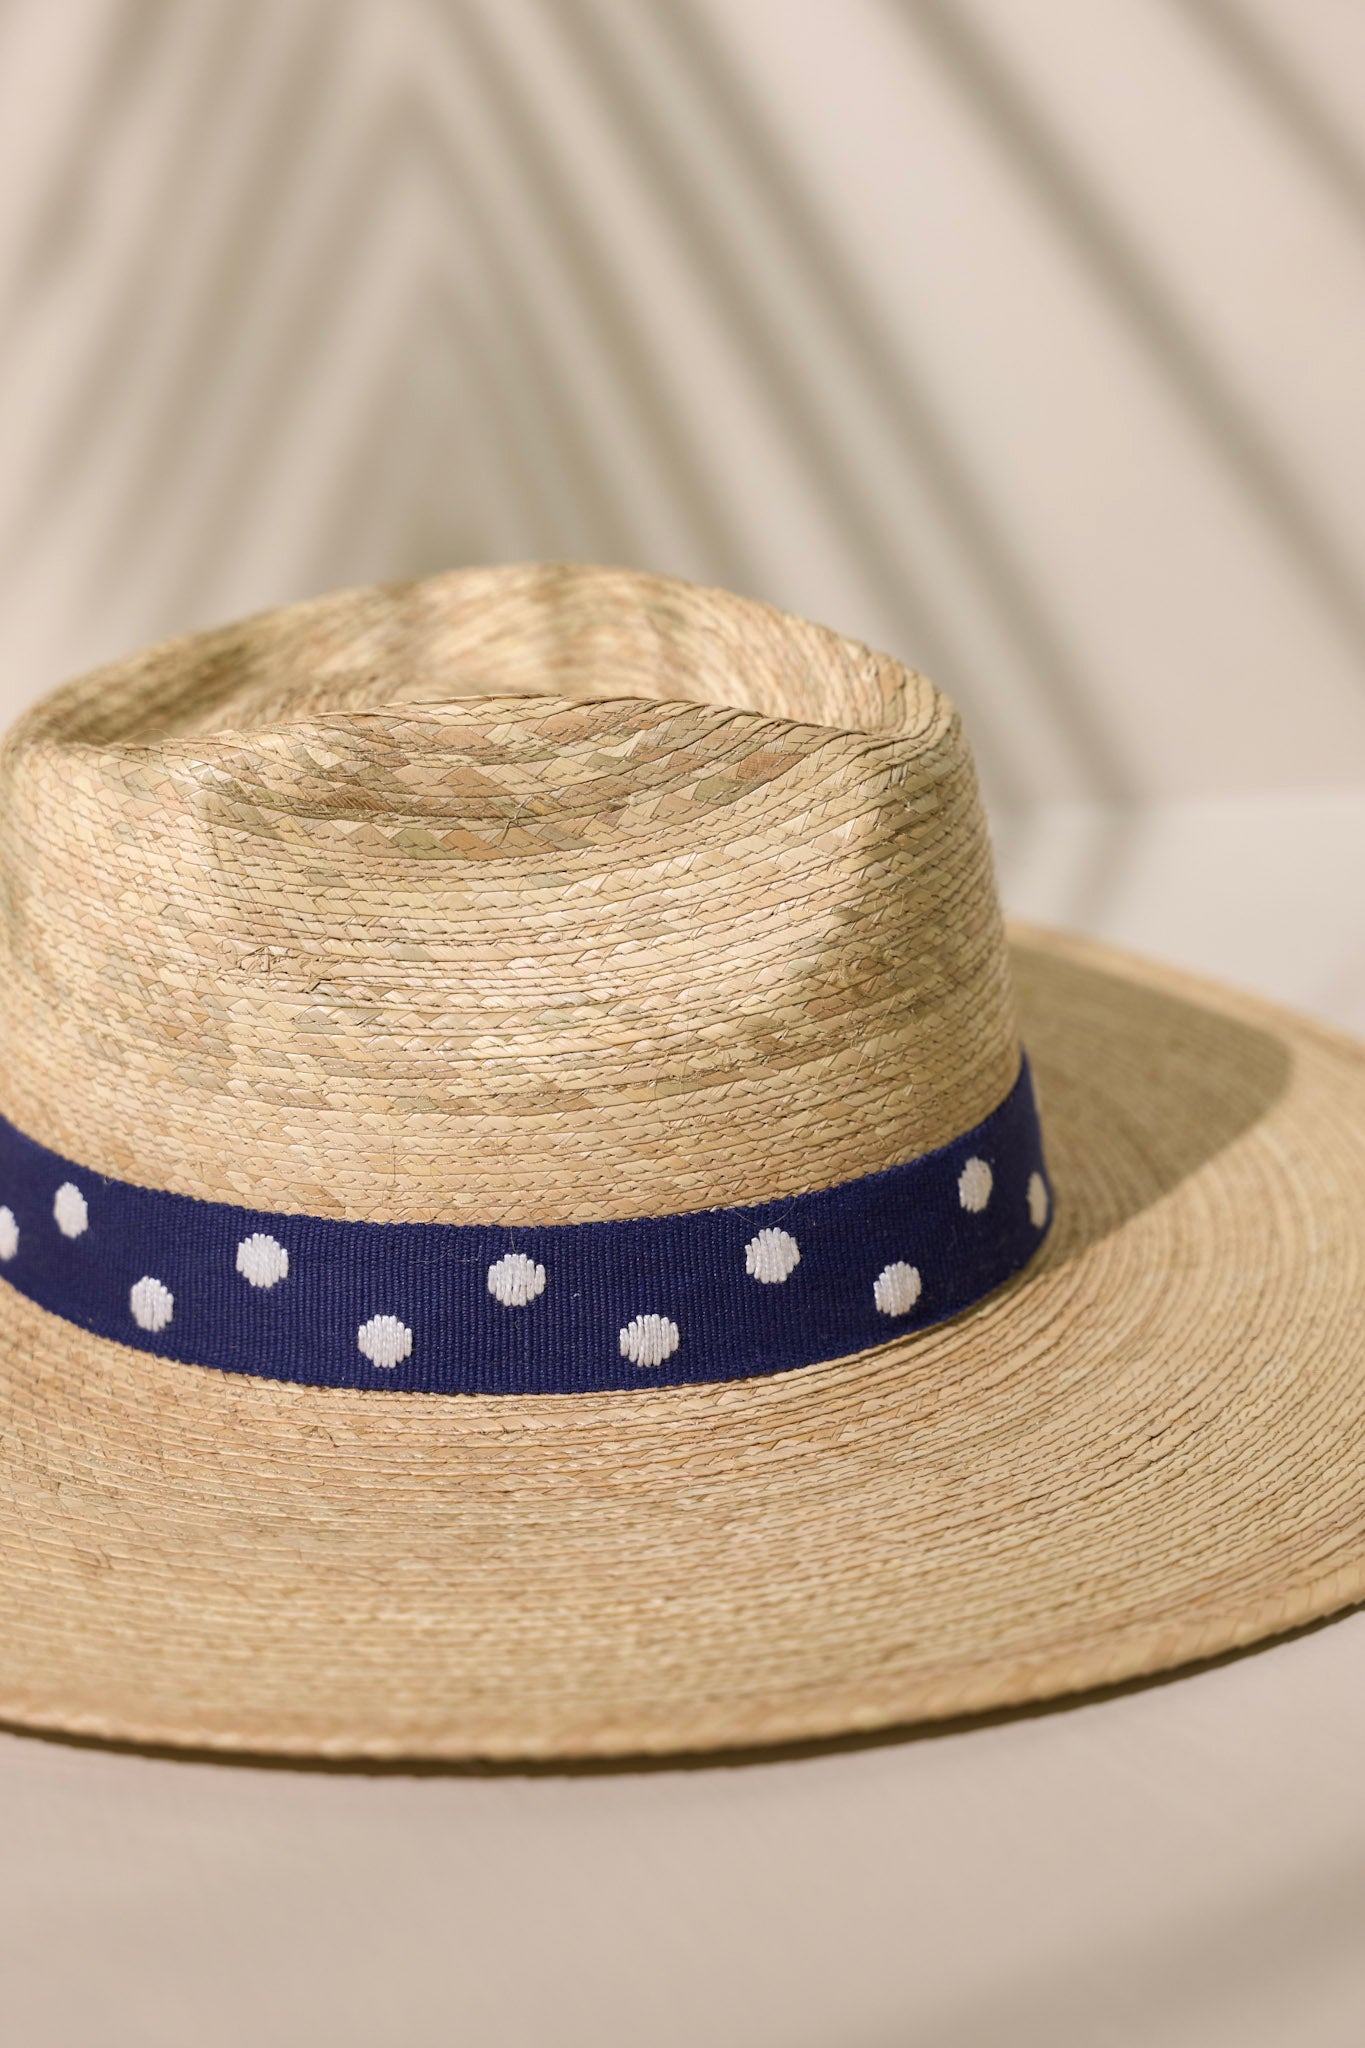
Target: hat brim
x=1145 y=1451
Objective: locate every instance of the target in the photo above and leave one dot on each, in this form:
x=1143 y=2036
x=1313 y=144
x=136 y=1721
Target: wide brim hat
x=573 y=945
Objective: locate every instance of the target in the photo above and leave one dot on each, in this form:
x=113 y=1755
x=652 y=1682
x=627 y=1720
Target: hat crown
x=525 y=896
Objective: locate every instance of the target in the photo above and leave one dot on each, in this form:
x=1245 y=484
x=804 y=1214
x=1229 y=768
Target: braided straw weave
x=299 y=922
x=546 y=894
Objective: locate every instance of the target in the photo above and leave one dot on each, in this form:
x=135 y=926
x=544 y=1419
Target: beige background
x=1182 y=1868
x=1022 y=337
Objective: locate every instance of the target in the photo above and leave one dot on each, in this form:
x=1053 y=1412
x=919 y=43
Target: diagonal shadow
x=373 y=493
x=213 y=329
x=210 y=334
x=888 y=375
x=1285 y=96
x=1117 y=265
x=429 y=546
x=405 y=139
x=296 y=107
x=904 y=598
x=96 y=399
x=132 y=30
x=599 y=291
x=497 y=396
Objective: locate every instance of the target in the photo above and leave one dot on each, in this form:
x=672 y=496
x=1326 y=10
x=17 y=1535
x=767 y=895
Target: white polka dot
x=649 y=1340
x=262 y=1260
x=384 y=1340
x=896 y=1289
x=151 y=1303
x=515 y=1280
x=1037 y=1201
x=69 y=1208
x=771 y=1255
x=974 y=1185
x=9 y=1234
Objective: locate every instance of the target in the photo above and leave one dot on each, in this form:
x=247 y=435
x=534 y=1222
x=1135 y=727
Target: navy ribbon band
x=715 y=1294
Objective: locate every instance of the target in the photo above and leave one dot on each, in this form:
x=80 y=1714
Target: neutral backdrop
x=1021 y=337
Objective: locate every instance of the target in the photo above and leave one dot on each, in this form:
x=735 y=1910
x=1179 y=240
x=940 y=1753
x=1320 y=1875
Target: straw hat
x=525 y=1225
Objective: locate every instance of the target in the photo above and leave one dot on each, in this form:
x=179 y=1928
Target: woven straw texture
x=294 y=923
x=535 y=895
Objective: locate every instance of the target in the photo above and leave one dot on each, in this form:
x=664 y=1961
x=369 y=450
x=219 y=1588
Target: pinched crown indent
x=513 y=896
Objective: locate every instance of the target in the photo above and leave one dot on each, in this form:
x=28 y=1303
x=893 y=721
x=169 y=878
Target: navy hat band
x=453 y=1308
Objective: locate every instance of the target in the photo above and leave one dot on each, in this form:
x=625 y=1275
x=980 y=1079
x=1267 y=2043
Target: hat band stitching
x=712 y=1294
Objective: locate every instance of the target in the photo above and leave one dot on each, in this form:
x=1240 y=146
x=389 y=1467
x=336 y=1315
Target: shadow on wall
x=329 y=348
